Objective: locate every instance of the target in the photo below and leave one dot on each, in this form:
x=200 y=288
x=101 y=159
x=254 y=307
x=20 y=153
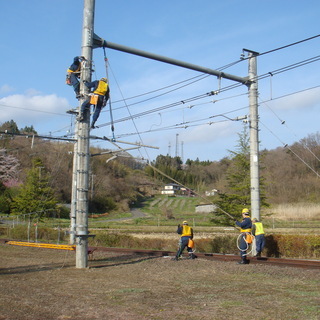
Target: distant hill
x=290 y=173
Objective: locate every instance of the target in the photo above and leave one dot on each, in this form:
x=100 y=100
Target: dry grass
x=295 y=211
x=44 y=284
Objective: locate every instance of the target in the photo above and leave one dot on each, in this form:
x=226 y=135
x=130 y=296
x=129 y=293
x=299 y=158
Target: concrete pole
x=254 y=135
x=72 y=238
x=73 y=211
x=83 y=141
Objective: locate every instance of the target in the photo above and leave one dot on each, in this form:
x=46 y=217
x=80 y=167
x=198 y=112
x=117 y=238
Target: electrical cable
x=287 y=68
x=201 y=76
x=289 y=45
x=287 y=147
x=187 y=124
x=283 y=122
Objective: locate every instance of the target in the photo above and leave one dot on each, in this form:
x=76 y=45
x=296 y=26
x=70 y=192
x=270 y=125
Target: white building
x=171 y=189
x=205 y=208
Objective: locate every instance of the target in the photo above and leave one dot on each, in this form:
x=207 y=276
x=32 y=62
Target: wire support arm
x=124 y=142
x=99 y=42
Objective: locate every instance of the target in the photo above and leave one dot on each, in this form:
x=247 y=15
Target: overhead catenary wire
x=289 y=45
x=191 y=99
x=285 y=145
x=171 y=105
x=233 y=63
x=187 y=124
x=283 y=122
x=190 y=80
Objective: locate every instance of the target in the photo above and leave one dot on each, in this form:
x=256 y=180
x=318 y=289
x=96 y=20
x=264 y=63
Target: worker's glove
x=178 y=225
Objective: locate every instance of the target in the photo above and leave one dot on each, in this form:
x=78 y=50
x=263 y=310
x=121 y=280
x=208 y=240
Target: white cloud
x=5 y=89
x=31 y=109
x=208 y=133
x=32 y=92
x=304 y=100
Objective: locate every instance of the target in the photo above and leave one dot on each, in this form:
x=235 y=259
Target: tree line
x=40 y=174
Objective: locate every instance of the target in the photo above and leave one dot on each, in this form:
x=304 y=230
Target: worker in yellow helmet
x=245 y=227
x=186 y=233
x=258 y=232
x=100 y=96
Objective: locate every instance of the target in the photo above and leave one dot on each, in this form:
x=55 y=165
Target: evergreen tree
x=10 y=127
x=28 y=129
x=238 y=182
x=35 y=196
x=5 y=199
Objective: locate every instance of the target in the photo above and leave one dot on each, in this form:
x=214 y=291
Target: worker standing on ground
x=98 y=98
x=258 y=232
x=245 y=228
x=73 y=75
x=186 y=233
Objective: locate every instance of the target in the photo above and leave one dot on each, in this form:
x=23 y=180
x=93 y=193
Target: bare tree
x=9 y=168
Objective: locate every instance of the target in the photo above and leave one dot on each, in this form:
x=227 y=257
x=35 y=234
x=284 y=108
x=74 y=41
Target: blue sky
x=39 y=39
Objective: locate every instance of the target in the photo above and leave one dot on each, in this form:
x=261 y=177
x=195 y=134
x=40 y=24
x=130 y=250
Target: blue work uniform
x=101 y=89
x=186 y=234
x=258 y=232
x=74 y=73
x=245 y=226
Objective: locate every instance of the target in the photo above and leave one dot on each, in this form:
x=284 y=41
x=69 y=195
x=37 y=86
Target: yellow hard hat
x=185 y=222
x=104 y=79
x=245 y=210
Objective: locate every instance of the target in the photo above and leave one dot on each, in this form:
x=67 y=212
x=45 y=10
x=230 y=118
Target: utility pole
x=254 y=134
x=169 y=149
x=82 y=154
x=182 y=151
x=177 y=144
x=72 y=232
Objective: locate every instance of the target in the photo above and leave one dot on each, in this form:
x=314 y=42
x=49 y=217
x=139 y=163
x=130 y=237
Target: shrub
x=20 y=232
x=293 y=246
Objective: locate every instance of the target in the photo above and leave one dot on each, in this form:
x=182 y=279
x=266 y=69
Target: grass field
x=44 y=284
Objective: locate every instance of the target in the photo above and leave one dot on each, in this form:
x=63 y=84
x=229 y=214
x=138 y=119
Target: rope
x=110 y=108
x=245 y=240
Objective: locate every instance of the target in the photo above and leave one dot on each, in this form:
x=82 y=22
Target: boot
x=243 y=261
x=92 y=125
x=193 y=256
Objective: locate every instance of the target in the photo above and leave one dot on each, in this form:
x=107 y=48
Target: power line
x=289 y=45
x=283 y=122
x=290 y=149
x=284 y=69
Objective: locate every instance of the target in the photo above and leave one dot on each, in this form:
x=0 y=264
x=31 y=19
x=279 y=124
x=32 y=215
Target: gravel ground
x=39 y=283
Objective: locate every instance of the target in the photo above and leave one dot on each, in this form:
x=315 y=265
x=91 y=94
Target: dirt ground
x=39 y=283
